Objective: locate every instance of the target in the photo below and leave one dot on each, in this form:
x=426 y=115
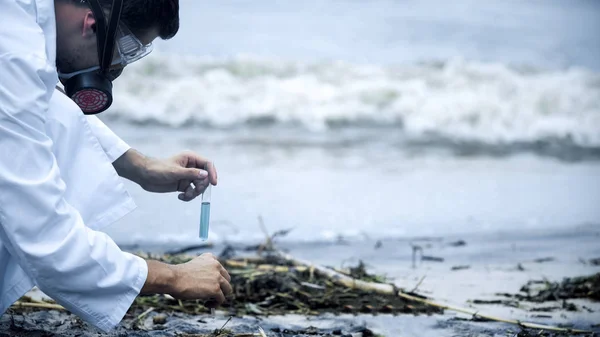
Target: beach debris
x=458 y=243
x=281 y=233
x=545 y=309
x=227 y=253
x=460 y=267
x=416 y=249
x=520 y=267
x=268 y=245
x=360 y=272
x=595 y=262
x=478 y=316
x=311 y=330
x=544 y=259
x=344 y=280
x=223 y=327
x=513 y=304
x=568 y=288
x=313 y=286
x=378 y=244
x=586 y=308
x=341 y=240
x=418 y=284
x=137 y=323
x=37 y=305
x=432 y=258
x=541 y=291
x=547 y=333
x=569 y=306
x=541 y=316
x=419 y=249
x=273 y=285
x=253 y=309
x=487 y=302
x=159 y=319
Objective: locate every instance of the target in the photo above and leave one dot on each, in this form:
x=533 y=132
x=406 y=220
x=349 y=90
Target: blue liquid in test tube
x=205 y=214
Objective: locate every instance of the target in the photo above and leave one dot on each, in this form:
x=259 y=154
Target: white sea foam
x=459 y=100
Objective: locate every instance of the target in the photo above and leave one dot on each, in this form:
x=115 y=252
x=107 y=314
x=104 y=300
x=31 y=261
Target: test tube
x=205 y=214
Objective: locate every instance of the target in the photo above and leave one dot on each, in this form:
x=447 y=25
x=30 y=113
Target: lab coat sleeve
x=83 y=270
x=113 y=145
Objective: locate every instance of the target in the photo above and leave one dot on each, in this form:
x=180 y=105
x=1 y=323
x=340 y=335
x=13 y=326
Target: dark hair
x=141 y=15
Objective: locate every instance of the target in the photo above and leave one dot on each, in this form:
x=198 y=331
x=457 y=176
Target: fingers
x=225 y=274
x=206 y=279
x=215 y=301
x=190 y=174
x=226 y=288
x=201 y=185
x=188 y=194
x=220 y=296
x=192 y=160
x=212 y=173
x=193 y=190
x=222 y=269
x=220 y=299
x=182 y=185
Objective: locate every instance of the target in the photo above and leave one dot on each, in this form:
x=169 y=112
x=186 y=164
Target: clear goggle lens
x=129 y=47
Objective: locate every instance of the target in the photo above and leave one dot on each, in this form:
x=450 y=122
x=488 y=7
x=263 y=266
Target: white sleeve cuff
x=125 y=302
x=119 y=148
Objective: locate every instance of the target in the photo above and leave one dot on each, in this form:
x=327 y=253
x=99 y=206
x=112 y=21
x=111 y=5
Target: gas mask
x=91 y=88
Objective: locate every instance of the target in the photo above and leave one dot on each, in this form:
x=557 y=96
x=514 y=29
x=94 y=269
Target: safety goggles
x=128 y=50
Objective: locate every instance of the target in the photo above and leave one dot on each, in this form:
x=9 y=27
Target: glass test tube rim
x=206 y=194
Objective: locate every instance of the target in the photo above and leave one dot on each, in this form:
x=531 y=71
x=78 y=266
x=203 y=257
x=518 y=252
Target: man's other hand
x=202 y=278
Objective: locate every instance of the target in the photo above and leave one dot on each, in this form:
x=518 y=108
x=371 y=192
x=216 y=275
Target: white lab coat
x=57 y=183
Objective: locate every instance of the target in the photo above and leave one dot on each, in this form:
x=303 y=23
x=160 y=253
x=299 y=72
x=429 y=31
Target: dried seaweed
x=569 y=288
x=273 y=286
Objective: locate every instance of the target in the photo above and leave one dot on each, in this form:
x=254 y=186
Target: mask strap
x=106 y=37
x=109 y=46
x=100 y=27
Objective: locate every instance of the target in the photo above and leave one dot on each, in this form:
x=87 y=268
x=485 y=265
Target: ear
x=89 y=25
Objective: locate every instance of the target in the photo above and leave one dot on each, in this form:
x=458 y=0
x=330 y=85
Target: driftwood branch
x=341 y=279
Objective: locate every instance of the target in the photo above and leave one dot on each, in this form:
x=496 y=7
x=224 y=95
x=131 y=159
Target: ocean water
x=354 y=120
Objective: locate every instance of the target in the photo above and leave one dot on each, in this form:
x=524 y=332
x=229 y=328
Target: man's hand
x=202 y=278
x=178 y=173
x=184 y=172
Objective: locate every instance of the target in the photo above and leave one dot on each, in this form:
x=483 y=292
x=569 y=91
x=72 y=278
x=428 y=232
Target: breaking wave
x=457 y=100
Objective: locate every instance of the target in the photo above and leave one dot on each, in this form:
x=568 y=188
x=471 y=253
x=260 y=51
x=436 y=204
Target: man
x=58 y=167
